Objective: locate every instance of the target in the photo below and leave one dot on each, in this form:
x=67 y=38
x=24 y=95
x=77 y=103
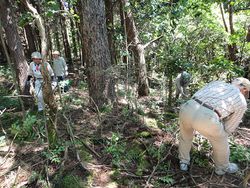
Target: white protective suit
x=34 y=70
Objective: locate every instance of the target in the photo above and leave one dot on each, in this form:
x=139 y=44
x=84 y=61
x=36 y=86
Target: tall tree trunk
x=29 y=34
x=30 y=39
x=2 y=54
x=232 y=48
x=66 y=45
x=248 y=34
x=96 y=51
x=14 y=43
x=110 y=27
x=57 y=35
x=123 y=27
x=138 y=52
x=74 y=40
x=80 y=33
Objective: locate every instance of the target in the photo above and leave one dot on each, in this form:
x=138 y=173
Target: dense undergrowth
x=132 y=145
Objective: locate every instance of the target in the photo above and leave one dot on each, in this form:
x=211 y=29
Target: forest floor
x=132 y=145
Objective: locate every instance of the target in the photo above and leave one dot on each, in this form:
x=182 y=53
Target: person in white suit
x=35 y=72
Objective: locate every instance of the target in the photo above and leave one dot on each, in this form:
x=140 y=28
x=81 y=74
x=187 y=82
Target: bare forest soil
x=132 y=145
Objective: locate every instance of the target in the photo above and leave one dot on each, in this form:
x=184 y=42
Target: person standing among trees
x=35 y=72
x=181 y=82
x=215 y=111
x=59 y=66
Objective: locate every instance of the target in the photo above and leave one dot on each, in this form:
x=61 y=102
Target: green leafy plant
x=55 y=155
x=167 y=180
x=116 y=148
x=239 y=153
x=24 y=130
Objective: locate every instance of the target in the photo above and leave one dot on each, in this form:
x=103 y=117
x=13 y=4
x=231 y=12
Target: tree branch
x=223 y=17
x=150 y=42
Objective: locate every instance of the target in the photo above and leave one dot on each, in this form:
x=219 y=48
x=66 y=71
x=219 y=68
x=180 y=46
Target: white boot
x=184 y=166
x=231 y=168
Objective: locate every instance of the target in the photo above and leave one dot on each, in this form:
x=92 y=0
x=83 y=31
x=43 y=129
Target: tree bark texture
x=16 y=49
x=138 y=51
x=232 y=48
x=96 y=52
x=110 y=28
x=74 y=36
x=29 y=34
x=248 y=34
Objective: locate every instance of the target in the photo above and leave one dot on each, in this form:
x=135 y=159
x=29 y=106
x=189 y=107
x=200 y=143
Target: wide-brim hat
x=56 y=53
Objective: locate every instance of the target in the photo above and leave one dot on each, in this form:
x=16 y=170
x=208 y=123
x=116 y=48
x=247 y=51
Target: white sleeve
x=234 y=120
x=51 y=72
x=65 y=65
x=30 y=71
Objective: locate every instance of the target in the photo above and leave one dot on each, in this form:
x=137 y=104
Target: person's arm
x=65 y=67
x=233 y=122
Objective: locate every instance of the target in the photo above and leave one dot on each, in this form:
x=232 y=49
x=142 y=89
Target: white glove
x=53 y=85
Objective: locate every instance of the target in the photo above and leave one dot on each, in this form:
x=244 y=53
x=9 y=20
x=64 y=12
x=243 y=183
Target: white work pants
x=193 y=116
x=39 y=94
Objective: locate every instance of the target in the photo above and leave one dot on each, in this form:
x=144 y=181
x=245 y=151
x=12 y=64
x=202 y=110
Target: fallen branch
x=89 y=148
x=17 y=96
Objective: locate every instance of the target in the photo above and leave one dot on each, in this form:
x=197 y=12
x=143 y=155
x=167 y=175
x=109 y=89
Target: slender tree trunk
x=110 y=28
x=49 y=40
x=123 y=26
x=66 y=44
x=96 y=51
x=29 y=34
x=80 y=33
x=14 y=43
x=2 y=54
x=74 y=40
x=248 y=34
x=46 y=87
x=57 y=35
x=30 y=39
x=232 y=48
x=138 y=51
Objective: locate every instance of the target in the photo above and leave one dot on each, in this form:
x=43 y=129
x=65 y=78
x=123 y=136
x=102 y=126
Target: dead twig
x=5 y=157
x=72 y=138
x=13 y=185
x=89 y=148
x=160 y=161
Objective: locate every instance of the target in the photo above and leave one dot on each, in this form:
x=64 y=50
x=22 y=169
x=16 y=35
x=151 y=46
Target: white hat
x=36 y=55
x=242 y=82
x=56 y=53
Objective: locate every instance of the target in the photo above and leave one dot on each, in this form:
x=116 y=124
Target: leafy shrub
x=239 y=153
x=116 y=149
x=25 y=129
x=167 y=180
x=55 y=155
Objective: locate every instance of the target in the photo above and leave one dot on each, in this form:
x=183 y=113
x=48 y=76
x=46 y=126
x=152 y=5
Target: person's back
x=181 y=83
x=59 y=66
